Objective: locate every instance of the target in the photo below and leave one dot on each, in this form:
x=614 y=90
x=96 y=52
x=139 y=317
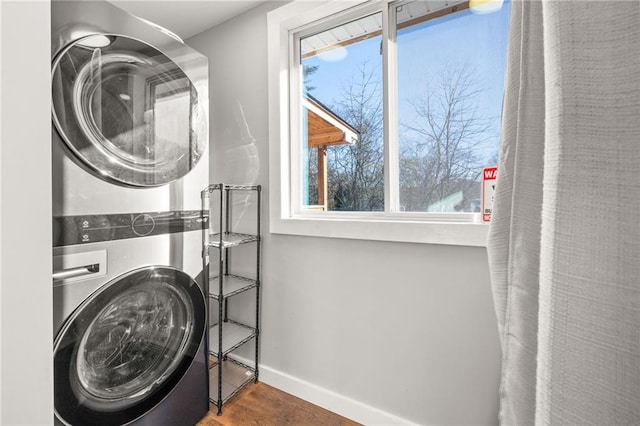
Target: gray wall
x=26 y=372
x=406 y=328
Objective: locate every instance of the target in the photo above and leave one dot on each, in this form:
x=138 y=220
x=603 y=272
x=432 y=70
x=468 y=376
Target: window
x=387 y=112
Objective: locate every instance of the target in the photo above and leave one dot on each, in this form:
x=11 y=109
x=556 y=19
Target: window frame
x=286 y=25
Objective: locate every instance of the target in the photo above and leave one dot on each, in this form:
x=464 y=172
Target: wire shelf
x=235 y=376
x=230 y=239
x=234 y=334
x=228 y=187
x=231 y=285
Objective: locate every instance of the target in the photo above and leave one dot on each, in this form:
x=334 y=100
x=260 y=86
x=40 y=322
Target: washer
x=129 y=149
x=129 y=347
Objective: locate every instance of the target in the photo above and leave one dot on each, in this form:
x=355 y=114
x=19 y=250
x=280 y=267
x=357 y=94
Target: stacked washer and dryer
x=129 y=112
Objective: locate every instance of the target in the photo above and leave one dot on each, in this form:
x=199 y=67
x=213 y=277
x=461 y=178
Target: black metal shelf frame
x=228 y=376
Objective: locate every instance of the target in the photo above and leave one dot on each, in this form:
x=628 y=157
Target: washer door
x=126 y=347
x=127 y=112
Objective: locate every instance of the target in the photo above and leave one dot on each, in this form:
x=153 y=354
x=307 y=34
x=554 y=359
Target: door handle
x=76 y=272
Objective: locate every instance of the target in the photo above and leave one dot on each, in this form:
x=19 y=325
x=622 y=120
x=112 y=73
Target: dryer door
x=126 y=347
x=127 y=112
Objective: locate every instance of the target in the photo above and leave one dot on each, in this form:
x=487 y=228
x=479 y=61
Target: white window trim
x=431 y=228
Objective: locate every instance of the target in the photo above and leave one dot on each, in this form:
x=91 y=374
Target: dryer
x=129 y=150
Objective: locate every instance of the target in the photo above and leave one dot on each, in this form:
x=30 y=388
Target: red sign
x=489 y=175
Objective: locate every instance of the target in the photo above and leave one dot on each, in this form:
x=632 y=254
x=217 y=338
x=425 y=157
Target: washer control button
x=143 y=224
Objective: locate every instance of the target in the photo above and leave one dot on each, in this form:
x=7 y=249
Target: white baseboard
x=327 y=399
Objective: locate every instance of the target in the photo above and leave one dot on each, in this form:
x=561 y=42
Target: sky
x=425 y=52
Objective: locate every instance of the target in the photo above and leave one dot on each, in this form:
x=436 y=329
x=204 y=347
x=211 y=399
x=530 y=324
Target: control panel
x=71 y=230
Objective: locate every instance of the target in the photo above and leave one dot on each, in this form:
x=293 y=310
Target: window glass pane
x=343 y=117
x=450 y=84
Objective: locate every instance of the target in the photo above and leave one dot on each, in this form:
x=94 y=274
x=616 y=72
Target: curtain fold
x=564 y=241
x=514 y=240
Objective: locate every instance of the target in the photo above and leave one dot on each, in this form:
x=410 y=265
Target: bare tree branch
x=440 y=155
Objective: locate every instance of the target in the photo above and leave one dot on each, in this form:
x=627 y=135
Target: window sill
x=407 y=231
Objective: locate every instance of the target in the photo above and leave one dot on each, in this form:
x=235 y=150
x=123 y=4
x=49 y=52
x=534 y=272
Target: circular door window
x=127 y=346
x=126 y=111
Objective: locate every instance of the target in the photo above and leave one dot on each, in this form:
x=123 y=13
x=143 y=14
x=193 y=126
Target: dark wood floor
x=262 y=405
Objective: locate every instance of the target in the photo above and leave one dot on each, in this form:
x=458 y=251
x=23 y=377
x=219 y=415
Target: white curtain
x=564 y=241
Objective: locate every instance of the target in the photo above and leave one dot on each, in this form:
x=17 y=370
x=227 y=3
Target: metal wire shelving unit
x=228 y=375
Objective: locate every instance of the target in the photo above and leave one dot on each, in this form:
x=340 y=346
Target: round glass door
x=127 y=346
x=126 y=111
